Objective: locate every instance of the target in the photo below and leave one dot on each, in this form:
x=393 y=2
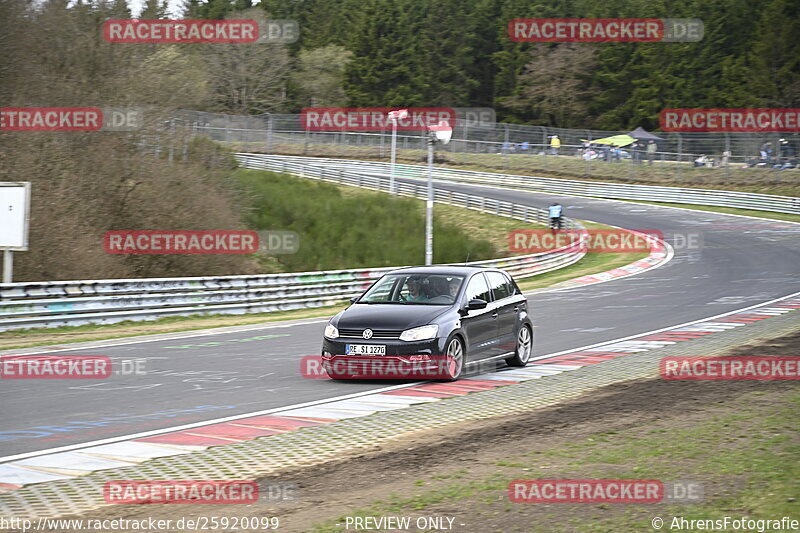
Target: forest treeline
x=417 y=53
x=458 y=53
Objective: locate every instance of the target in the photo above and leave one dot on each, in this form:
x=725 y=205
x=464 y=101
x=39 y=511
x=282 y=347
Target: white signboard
x=15 y=201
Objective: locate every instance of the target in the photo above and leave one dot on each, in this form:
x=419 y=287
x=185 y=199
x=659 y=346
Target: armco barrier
x=60 y=303
x=651 y=193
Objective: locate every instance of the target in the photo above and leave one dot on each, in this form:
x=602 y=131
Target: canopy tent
x=615 y=140
x=642 y=134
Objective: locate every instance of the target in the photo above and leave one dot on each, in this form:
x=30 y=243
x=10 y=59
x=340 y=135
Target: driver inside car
x=415 y=292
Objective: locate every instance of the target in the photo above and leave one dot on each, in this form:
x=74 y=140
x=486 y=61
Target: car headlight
x=331 y=332
x=420 y=334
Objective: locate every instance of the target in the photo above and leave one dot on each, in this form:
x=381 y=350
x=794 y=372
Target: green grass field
x=339 y=231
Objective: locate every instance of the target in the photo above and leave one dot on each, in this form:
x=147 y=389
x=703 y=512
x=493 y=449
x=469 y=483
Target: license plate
x=365 y=349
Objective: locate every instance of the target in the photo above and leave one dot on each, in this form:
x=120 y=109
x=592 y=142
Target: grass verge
x=739 y=450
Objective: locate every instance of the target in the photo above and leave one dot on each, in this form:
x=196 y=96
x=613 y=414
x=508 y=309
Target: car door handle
x=494 y=315
x=516 y=309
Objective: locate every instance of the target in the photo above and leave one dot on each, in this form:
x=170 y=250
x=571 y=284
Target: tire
x=455 y=350
x=522 y=353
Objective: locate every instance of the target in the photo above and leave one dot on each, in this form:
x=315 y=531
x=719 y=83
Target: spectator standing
x=766 y=150
x=555 y=144
x=636 y=149
x=651 y=151
x=555 y=212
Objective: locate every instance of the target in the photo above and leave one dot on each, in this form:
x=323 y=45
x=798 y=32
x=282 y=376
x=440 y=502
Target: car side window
x=478 y=289
x=514 y=287
x=501 y=287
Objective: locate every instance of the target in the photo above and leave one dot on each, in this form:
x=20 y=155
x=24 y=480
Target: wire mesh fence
x=513 y=147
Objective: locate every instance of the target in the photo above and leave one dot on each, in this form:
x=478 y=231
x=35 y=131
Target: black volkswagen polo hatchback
x=421 y=316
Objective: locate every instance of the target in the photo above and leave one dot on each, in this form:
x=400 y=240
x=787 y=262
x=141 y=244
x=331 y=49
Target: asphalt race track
x=740 y=262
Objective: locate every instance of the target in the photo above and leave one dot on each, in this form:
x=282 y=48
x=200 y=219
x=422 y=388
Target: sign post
x=15 y=203
x=394 y=116
x=439 y=133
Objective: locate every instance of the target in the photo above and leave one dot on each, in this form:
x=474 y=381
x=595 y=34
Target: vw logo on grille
x=367 y=334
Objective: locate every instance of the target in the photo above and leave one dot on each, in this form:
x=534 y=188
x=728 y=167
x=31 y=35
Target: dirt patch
x=479 y=454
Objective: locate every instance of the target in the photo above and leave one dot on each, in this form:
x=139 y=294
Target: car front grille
x=376 y=333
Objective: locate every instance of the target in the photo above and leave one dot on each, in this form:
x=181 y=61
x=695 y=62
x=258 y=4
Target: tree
x=247 y=78
x=553 y=87
x=319 y=75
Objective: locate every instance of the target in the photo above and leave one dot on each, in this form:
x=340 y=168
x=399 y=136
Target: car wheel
x=522 y=354
x=455 y=359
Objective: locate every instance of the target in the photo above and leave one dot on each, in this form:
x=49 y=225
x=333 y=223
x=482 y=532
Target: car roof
x=459 y=270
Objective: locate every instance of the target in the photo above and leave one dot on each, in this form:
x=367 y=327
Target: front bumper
x=403 y=360
x=394 y=347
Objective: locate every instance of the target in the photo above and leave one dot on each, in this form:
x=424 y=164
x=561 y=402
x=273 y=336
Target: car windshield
x=423 y=289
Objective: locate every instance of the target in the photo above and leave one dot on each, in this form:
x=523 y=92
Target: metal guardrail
x=62 y=303
x=653 y=193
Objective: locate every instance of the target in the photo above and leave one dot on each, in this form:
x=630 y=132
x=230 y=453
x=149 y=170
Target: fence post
x=728 y=151
x=545 y=145
x=187 y=135
x=171 y=156
x=464 y=157
x=269 y=134
x=588 y=161
x=525 y=213
x=678 y=169
x=506 y=147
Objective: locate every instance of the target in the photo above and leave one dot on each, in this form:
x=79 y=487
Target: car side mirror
x=475 y=304
x=354 y=299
